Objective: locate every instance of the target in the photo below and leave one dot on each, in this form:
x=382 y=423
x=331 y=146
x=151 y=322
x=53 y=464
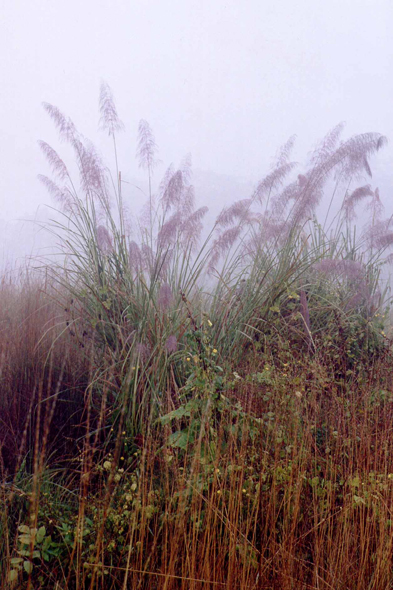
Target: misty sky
x=228 y=81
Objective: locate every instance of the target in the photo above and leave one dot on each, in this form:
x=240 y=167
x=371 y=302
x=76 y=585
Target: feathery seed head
x=109 y=119
x=171 y=344
x=165 y=297
x=147 y=147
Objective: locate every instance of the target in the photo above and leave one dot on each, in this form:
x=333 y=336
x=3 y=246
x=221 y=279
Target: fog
x=226 y=81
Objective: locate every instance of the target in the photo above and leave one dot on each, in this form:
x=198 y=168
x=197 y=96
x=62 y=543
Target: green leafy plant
x=33 y=544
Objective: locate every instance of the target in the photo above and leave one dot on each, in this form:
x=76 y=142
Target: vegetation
x=192 y=409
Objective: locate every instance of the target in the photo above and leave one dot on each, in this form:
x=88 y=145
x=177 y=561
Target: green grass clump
x=179 y=412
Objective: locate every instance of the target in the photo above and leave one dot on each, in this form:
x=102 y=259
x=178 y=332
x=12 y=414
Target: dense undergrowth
x=179 y=412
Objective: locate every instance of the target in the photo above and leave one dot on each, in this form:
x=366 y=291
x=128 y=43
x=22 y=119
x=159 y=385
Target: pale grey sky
x=227 y=80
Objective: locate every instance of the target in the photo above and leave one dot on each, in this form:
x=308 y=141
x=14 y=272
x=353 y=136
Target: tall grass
x=182 y=411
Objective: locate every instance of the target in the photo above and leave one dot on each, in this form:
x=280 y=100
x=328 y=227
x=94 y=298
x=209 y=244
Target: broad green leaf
x=28 y=567
x=192 y=405
x=16 y=560
x=12 y=575
x=24 y=529
x=41 y=534
x=175 y=415
x=46 y=543
x=179 y=439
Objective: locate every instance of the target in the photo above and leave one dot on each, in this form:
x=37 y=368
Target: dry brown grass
x=301 y=499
